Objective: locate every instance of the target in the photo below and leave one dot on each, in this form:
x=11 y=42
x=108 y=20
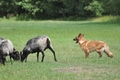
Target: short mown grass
x=71 y=64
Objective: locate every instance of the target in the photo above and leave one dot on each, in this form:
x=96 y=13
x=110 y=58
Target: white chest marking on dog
x=81 y=41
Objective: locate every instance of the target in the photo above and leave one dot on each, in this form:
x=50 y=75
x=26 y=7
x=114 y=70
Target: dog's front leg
x=86 y=53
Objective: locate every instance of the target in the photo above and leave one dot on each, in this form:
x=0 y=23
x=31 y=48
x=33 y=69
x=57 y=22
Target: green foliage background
x=52 y=9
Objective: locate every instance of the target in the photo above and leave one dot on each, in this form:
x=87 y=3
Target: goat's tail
x=49 y=42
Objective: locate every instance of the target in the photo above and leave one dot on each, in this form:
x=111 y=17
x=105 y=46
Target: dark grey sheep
x=7 y=48
x=37 y=44
x=1 y=57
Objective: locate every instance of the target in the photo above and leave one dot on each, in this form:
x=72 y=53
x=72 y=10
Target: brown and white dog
x=91 y=46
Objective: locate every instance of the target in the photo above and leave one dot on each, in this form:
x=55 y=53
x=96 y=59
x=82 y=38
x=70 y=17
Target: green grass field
x=71 y=64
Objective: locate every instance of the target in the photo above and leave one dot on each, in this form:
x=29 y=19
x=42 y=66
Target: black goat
x=37 y=44
x=7 y=48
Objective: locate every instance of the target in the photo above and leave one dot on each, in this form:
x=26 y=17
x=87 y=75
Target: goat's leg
x=10 y=59
x=53 y=53
x=42 y=56
x=3 y=60
x=26 y=59
x=37 y=56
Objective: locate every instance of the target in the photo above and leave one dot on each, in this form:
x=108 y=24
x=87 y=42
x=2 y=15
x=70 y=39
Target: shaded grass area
x=71 y=64
x=107 y=19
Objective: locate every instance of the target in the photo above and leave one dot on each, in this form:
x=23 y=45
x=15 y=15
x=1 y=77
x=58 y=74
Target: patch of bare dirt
x=78 y=69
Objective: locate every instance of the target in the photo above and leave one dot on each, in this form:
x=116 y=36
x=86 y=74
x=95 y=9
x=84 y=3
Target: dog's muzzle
x=75 y=40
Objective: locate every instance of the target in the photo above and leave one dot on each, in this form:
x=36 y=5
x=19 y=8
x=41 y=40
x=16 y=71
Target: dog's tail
x=108 y=52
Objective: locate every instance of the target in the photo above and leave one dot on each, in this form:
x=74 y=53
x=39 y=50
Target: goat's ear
x=14 y=49
x=17 y=52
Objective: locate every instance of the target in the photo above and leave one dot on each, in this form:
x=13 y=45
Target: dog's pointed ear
x=79 y=34
x=83 y=34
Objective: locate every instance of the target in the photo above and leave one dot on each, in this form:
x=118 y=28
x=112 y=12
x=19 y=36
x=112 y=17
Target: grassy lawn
x=71 y=64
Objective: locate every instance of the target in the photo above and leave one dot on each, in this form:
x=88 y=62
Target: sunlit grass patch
x=107 y=19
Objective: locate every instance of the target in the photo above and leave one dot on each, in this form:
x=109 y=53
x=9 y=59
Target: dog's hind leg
x=100 y=55
x=86 y=55
x=99 y=52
